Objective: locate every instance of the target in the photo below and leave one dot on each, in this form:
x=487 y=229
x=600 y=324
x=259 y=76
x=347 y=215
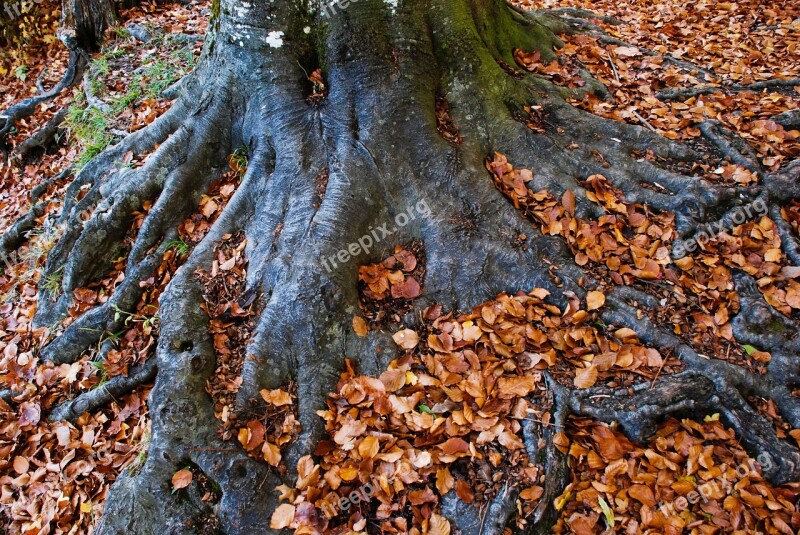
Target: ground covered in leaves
x=54 y=476
x=449 y=412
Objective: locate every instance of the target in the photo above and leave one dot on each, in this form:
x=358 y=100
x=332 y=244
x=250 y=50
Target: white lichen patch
x=275 y=39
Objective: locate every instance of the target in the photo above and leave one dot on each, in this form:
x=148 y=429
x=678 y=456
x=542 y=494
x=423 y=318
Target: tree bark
x=375 y=137
x=85 y=21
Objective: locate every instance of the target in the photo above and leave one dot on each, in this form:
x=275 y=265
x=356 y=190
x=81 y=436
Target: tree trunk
x=375 y=137
x=84 y=21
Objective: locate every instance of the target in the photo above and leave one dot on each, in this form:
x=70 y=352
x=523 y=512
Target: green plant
x=89 y=126
x=147 y=322
x=52 y=283
x=160 y=75
x=240 y=159
x=118 y=104
x=101 y=367
x=100 y=66
x=121 y=32
x=21 y=72
x=180 y=246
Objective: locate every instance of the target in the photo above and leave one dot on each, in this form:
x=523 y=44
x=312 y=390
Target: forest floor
x=54 y=477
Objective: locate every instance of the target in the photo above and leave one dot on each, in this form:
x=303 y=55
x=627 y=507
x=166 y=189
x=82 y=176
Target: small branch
x=643 y=121
x=613 y=66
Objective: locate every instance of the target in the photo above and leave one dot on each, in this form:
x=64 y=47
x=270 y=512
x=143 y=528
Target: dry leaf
x=586 y=377
x=407 y=339
x=595 y=300
x=181 y=479
x=282 y=517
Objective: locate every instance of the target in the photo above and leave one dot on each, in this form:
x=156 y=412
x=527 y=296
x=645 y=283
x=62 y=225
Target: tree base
x=323 y=174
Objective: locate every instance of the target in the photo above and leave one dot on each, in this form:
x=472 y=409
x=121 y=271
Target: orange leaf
x=360 y=326
x=181 y=479
x=407 y=339
x=595 y=300
x=282 y=517
x=586 y=377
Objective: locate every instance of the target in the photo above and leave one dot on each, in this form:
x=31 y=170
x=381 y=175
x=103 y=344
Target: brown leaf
x=643 y=494
x=272 y=453
x=350 y=430
x=181 y=479
x=595 y=300
x=407 y=339
x=586 y=377
x=408 y=289
x=369 y=447
x=532 y=493
x=610 y=447
x=444 y=481
x=464 y=491
x=360 y=326
x=568 y=201
x=516 y=386
x=21 y=465
x=282 y=517
x=278 y=397
x=438 y=525
x=454 y=445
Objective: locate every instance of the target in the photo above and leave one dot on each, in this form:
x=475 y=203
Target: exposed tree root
x=45 y=136
x=8 y=119
x=106 y=393
x=684 y=94
x=731 y=384
x=731 y=145
x=790 y=120
x=375 y=139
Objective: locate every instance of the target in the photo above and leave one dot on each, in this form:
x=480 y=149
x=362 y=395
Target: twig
x=613 y=66
x=643 y=121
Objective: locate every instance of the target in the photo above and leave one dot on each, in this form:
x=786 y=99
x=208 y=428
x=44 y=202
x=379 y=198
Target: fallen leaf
x=181 y=479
